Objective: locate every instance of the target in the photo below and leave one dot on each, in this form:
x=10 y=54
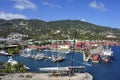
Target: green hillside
x=39 y=29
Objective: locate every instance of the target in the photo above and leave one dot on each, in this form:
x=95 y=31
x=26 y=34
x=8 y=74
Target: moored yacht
x=39 y=56
x=57 y=58
x=4 y=53
x=11 y=61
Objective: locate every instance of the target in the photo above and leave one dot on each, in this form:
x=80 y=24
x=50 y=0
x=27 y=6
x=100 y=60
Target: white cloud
x=24 y=4
x=83 y=20
x=8 y=16
x=51 y=5
x=98 y=5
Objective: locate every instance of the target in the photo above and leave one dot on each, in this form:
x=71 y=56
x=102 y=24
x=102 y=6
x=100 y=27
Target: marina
x=107 y=69
x=60 y=59
x=59 y=40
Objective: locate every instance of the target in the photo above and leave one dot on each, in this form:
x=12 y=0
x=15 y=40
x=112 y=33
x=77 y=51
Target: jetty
x=86 y=57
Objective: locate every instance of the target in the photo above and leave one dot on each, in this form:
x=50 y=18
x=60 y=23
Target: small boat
x=4 y=53
x=60 y=58
x=39 y=56
x=27 y=50
x=26 y=67
x=57 y=58
x=11 y=61
x=53 y=58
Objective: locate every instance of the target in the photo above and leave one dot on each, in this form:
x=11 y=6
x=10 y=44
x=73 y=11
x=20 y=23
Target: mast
x=73 y=49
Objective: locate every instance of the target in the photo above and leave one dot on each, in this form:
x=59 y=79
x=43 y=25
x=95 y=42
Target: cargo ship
x=107 y=54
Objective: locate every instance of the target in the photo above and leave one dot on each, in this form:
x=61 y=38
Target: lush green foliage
x=38 y=29
x=12 y=51
x=9 y=68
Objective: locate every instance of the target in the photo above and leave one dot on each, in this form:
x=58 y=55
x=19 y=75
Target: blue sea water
x=101 y=71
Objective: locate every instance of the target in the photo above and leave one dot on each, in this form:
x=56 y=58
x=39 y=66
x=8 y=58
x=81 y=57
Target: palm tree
x=20 y=67
x=10 y=51
x=8 y=67
x=16 y=50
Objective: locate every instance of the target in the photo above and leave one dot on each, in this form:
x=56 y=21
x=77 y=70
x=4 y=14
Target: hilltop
x=62 y=29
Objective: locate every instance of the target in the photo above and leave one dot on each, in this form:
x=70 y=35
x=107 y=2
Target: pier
x=46 y=76
x=85 y=57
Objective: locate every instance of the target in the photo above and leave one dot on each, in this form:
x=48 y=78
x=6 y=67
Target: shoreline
x=45 y=76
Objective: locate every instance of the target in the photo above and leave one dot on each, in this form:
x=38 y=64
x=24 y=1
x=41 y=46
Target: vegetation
x=41 y=30
x=12 y=51
x=9 y=68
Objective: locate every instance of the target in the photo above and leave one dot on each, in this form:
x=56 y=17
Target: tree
x=10 y=51
x=8 y=67
x=20 y=67
x=16 y=50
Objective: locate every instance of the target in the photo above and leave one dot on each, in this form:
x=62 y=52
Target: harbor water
x=101 y=71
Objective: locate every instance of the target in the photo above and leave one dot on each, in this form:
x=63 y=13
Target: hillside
x=68 y=29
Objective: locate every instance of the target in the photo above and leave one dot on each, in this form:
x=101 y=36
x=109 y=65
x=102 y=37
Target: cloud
x=98 y=5
x=83 y=20
x=51 y=5
x=8 y=16
x=24 y=4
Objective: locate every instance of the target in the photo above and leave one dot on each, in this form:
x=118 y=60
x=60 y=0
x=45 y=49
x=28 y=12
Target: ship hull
x=106 y=58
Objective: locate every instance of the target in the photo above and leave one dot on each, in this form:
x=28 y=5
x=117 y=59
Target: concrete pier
x=46 y=76
x=85 y=58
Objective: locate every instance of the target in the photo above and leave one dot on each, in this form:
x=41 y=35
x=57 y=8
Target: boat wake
x=88 y=64
x=85 y=63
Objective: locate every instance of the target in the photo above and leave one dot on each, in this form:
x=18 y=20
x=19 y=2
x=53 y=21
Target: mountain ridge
x=36 y=27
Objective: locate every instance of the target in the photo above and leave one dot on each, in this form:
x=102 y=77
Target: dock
x=46 y=76
x=86 y=58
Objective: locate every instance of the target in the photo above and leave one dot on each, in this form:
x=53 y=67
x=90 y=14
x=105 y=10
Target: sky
x=99 y=12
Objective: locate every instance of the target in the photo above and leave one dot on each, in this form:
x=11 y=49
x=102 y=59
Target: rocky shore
x=45 y=76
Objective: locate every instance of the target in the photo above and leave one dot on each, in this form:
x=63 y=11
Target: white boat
x=27 y=50
x=65 y=68
x=54 y=69
x=57 y=58
x=26 y=67
x=3 y=52
x=53 y=58
x=39 y=56
x=11 y=61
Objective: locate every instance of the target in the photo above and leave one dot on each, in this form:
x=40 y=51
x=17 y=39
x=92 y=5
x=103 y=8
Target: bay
x=101 y=71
